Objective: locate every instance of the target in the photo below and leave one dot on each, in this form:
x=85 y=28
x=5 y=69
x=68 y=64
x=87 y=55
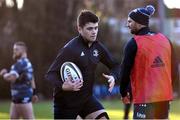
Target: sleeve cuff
x=14 y=73
x=115 y=78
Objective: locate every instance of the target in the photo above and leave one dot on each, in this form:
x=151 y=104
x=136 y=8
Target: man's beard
x=134 y=31
x=16 y=57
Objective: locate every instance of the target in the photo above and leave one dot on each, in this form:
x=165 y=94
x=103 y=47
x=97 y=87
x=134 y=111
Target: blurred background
x=46 y=25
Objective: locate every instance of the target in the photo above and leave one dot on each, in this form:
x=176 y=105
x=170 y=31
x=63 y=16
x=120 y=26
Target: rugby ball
x=71 y=71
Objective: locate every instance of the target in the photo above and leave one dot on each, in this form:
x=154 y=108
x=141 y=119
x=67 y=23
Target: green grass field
x=43 y=110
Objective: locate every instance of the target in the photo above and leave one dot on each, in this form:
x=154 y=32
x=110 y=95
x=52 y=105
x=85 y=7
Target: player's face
x=132 y=25
x=89 y=31
x=17 y=52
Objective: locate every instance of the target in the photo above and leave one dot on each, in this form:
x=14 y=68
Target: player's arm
x=34 y=97
x=126 y=66
x=33 y=83
x=174 y=64
x=107 y=59
x=3 y=71
x=9 y=76
x=53 y=73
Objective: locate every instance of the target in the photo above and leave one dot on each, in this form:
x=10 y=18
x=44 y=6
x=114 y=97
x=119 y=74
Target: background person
x=23 y=89
x=147 y=64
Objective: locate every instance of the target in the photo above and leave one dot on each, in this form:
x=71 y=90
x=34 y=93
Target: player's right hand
x=35 y=98
x=126 y=99
x=3 y=71
x=111 y=81
x=70 y=85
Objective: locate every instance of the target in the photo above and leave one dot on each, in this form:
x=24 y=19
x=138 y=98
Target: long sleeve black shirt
x=87 y=59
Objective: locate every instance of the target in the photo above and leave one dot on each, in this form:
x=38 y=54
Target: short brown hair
x=85 y=17
x=20 y=43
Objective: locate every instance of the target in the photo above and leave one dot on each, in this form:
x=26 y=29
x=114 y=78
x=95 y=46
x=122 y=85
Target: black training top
x=86 y=58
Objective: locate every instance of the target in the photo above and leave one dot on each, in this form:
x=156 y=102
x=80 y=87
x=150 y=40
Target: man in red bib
x=147 y=65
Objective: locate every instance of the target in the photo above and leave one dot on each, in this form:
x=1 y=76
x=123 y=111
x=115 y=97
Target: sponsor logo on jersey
x=95 y=53
x=141 y=115
x=157 y=62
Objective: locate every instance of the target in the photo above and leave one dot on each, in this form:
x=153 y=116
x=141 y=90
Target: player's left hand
x=35 y=98
x=111 y=81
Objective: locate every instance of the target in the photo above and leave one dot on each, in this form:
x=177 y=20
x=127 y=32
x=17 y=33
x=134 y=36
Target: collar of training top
x=84 y=41
x=143 y=31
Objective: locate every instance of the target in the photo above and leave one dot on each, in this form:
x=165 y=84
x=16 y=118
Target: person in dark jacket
x=72 y=99
x=147 y=66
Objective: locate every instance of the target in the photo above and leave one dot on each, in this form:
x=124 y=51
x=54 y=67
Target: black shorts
x=89 y=106
x=156 y=110
x=21 y=100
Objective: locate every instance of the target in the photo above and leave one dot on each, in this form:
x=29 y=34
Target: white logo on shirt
x=82 y=53
x=95 y=53
x=141 y=115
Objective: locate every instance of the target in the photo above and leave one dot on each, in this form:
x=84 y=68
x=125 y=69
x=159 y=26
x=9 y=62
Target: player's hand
x=70 y=85
x=111 y=81
x=126 y=99
x=35 y=98
x=3 y=71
